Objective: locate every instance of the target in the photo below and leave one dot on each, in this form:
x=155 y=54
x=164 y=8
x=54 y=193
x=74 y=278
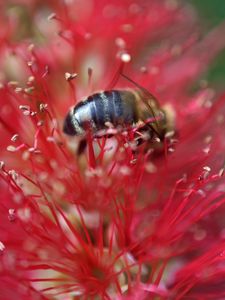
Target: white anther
x=70 y=76
x=125 y=57
x=15 y=137
x=51 y=16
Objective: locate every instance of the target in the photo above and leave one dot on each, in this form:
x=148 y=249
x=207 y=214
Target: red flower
x=117 y=221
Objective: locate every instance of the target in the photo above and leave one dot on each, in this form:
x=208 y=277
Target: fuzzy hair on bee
x=118 y=109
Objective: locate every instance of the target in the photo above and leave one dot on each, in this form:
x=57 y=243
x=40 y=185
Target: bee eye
x=68 y=126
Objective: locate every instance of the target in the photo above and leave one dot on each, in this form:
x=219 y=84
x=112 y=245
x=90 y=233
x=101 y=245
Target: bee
x=121 y=109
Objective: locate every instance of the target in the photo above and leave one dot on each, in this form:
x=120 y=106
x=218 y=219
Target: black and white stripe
x=115 y=107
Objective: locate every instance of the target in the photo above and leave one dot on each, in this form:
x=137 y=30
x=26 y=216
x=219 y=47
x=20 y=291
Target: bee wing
x=150 y=98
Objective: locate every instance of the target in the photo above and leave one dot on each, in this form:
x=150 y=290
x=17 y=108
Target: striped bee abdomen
x=111 y=106
x=115 y=107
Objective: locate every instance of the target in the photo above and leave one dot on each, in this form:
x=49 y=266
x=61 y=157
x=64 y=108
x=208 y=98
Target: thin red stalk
x=90 y=80
x=127 y=267
x=76 y=234
x=91 y=154
x=102 y=150
x=84 y=226
x=111 y=238
x=118 y=286
x=172 y=194
x=73 y=92
x=51 y=279
x=160 y=272
x=185 y=290
x=100 y=235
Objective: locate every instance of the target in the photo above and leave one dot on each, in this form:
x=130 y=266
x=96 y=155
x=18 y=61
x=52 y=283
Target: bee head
x=68 y=125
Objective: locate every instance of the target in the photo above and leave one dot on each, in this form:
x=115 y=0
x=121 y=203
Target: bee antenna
x=115 y=76
x=149 y=95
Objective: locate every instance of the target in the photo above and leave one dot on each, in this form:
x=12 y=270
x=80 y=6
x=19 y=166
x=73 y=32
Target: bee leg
x=81 y=147
x=144 y=134
x=153 y=130
x=139 y=141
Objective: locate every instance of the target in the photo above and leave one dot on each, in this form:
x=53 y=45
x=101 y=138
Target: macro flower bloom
x=115 y=221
